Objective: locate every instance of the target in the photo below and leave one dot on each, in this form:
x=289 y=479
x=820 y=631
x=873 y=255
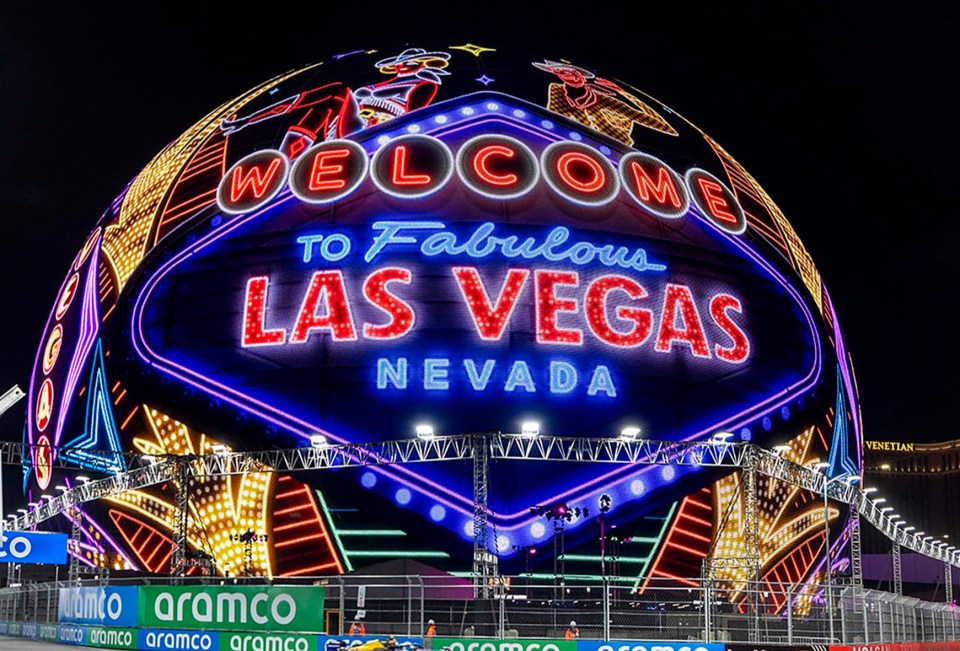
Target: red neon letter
x=737 y=353
x=480 y=165
x=664 y=190
x=678 y=297
x=490 y=320
x=549 y=305
x=401 y=314
x=326 y=287
x=254 y=312
x=598 y=178
x=400 y=175
x=321 y=169
x=253 y=181
x=716 y=200
x=595 y=304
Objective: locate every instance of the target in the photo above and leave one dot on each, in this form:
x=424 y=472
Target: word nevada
x=492 y=166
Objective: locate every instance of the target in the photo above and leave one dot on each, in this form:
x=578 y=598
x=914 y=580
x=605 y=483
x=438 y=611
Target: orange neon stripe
x=127 y=420
x=112 y=308
x=295 y=541
x=684 y=548
x=291 y=509
x=695 y=519
x=322 y=566
x=150 y=558
x=694 y=535
x=163 y=561
x=120 y=397
x=284 y=527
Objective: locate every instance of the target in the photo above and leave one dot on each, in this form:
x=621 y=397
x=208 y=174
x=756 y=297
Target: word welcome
x=491 y=165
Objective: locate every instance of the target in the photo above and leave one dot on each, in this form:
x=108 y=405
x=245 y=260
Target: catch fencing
x=615 y=609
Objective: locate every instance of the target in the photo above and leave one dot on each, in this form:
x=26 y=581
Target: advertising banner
x=111 y=638
x=267 y=642
x=633 y=645
x=473 y=644
x=48 y=632
x=30 y=630
x=774 y=647
x=104 y=606
x=361 y=642
x=900 y=646
x=72 y=634
x=33 y=547
x=174 y=640
x=232 y=608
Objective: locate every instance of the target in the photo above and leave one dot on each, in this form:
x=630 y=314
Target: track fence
x=615 y=609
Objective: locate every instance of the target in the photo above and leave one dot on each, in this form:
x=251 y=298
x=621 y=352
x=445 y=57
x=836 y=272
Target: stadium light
x=149 y=458
x=61 y=488
x=83 y=479
x=46 y=496
x=220 y=449
x=24 y=511
x=318 y=441
x=867 y=491
x=722 y=437
x=781 y=449
x=424 y=431
x=908 y=529
x=885 y=509
x=880 y=500
x=820 y=465
x=630 y=434
x=530 y=428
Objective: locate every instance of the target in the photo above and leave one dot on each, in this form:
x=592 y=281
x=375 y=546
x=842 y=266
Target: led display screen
x=351 y=255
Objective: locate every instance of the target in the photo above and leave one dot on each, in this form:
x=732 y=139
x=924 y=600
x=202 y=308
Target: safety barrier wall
x=514 y=615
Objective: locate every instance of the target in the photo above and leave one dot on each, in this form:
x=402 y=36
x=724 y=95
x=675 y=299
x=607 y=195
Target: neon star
x=475 y=50
x=485 y=80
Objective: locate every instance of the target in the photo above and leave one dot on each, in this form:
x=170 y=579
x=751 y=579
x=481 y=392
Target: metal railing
x=614 y=609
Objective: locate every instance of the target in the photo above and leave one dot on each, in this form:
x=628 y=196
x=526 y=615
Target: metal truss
x=948 y=581
x=898 y=570
x=147 y=471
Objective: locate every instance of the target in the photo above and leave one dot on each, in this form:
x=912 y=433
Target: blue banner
x=33 y=547
x=633 y=645
x=105 y=606
x=150 y=639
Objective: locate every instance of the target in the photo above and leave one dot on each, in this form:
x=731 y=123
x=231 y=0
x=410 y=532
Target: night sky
x=847 y=117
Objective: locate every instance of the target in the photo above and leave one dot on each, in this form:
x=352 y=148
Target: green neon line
x=399 y=553
x=596 y=559
x=663 y=532
x=333 y=529
x=642 y=540
x=372 y=532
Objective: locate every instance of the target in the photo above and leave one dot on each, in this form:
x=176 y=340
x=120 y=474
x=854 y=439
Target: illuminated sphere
x=452 y=234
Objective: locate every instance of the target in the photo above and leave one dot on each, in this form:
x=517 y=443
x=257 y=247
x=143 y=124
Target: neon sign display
x=415 y=166
x=452 y=309
x=419 y=241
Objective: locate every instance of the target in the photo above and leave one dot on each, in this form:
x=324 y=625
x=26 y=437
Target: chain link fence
x=638 y=609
